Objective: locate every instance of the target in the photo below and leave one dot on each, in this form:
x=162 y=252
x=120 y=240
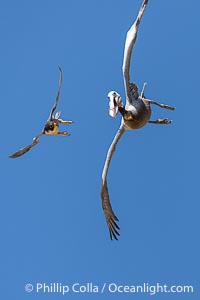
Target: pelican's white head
x=115 y=101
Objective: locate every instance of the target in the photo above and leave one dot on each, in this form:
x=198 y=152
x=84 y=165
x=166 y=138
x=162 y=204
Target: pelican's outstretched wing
x=27 y=148
x=57 y=97
x=130 y=42
x=109 y=214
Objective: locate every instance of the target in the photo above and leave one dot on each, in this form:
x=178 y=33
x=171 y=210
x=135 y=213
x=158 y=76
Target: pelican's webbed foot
x=160 y=105
x=161 y=121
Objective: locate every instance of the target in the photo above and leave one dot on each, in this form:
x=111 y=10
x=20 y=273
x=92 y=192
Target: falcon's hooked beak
x=115 y=101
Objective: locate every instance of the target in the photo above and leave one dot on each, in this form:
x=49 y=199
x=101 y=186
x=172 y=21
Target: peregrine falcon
x=51 y=127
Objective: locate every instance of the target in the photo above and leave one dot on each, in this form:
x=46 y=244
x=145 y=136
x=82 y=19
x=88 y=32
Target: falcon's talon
x=64 y=133
x=66 y=122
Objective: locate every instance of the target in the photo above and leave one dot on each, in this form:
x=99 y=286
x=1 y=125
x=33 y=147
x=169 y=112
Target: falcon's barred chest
x=51 y=128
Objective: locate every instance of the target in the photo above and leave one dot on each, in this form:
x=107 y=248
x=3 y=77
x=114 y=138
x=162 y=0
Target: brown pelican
x=51 y=127
x=135 y=114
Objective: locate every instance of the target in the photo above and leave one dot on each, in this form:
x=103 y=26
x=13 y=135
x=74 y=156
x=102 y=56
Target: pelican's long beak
x=115 y=101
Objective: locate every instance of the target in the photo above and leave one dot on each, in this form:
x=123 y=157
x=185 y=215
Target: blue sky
x=53 y=226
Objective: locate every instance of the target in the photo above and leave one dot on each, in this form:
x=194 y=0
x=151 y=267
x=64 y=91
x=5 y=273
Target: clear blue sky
x=52 y=224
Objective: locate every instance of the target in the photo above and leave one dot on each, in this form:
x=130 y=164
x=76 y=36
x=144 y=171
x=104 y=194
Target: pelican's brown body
x=137 y=114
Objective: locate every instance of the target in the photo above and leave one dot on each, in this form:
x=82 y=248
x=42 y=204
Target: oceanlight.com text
x=112 y=287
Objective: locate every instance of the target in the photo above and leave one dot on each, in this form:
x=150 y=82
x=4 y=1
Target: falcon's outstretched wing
x=129 y=44
x=57 y=97
x=109 y=214
x=27 y=148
